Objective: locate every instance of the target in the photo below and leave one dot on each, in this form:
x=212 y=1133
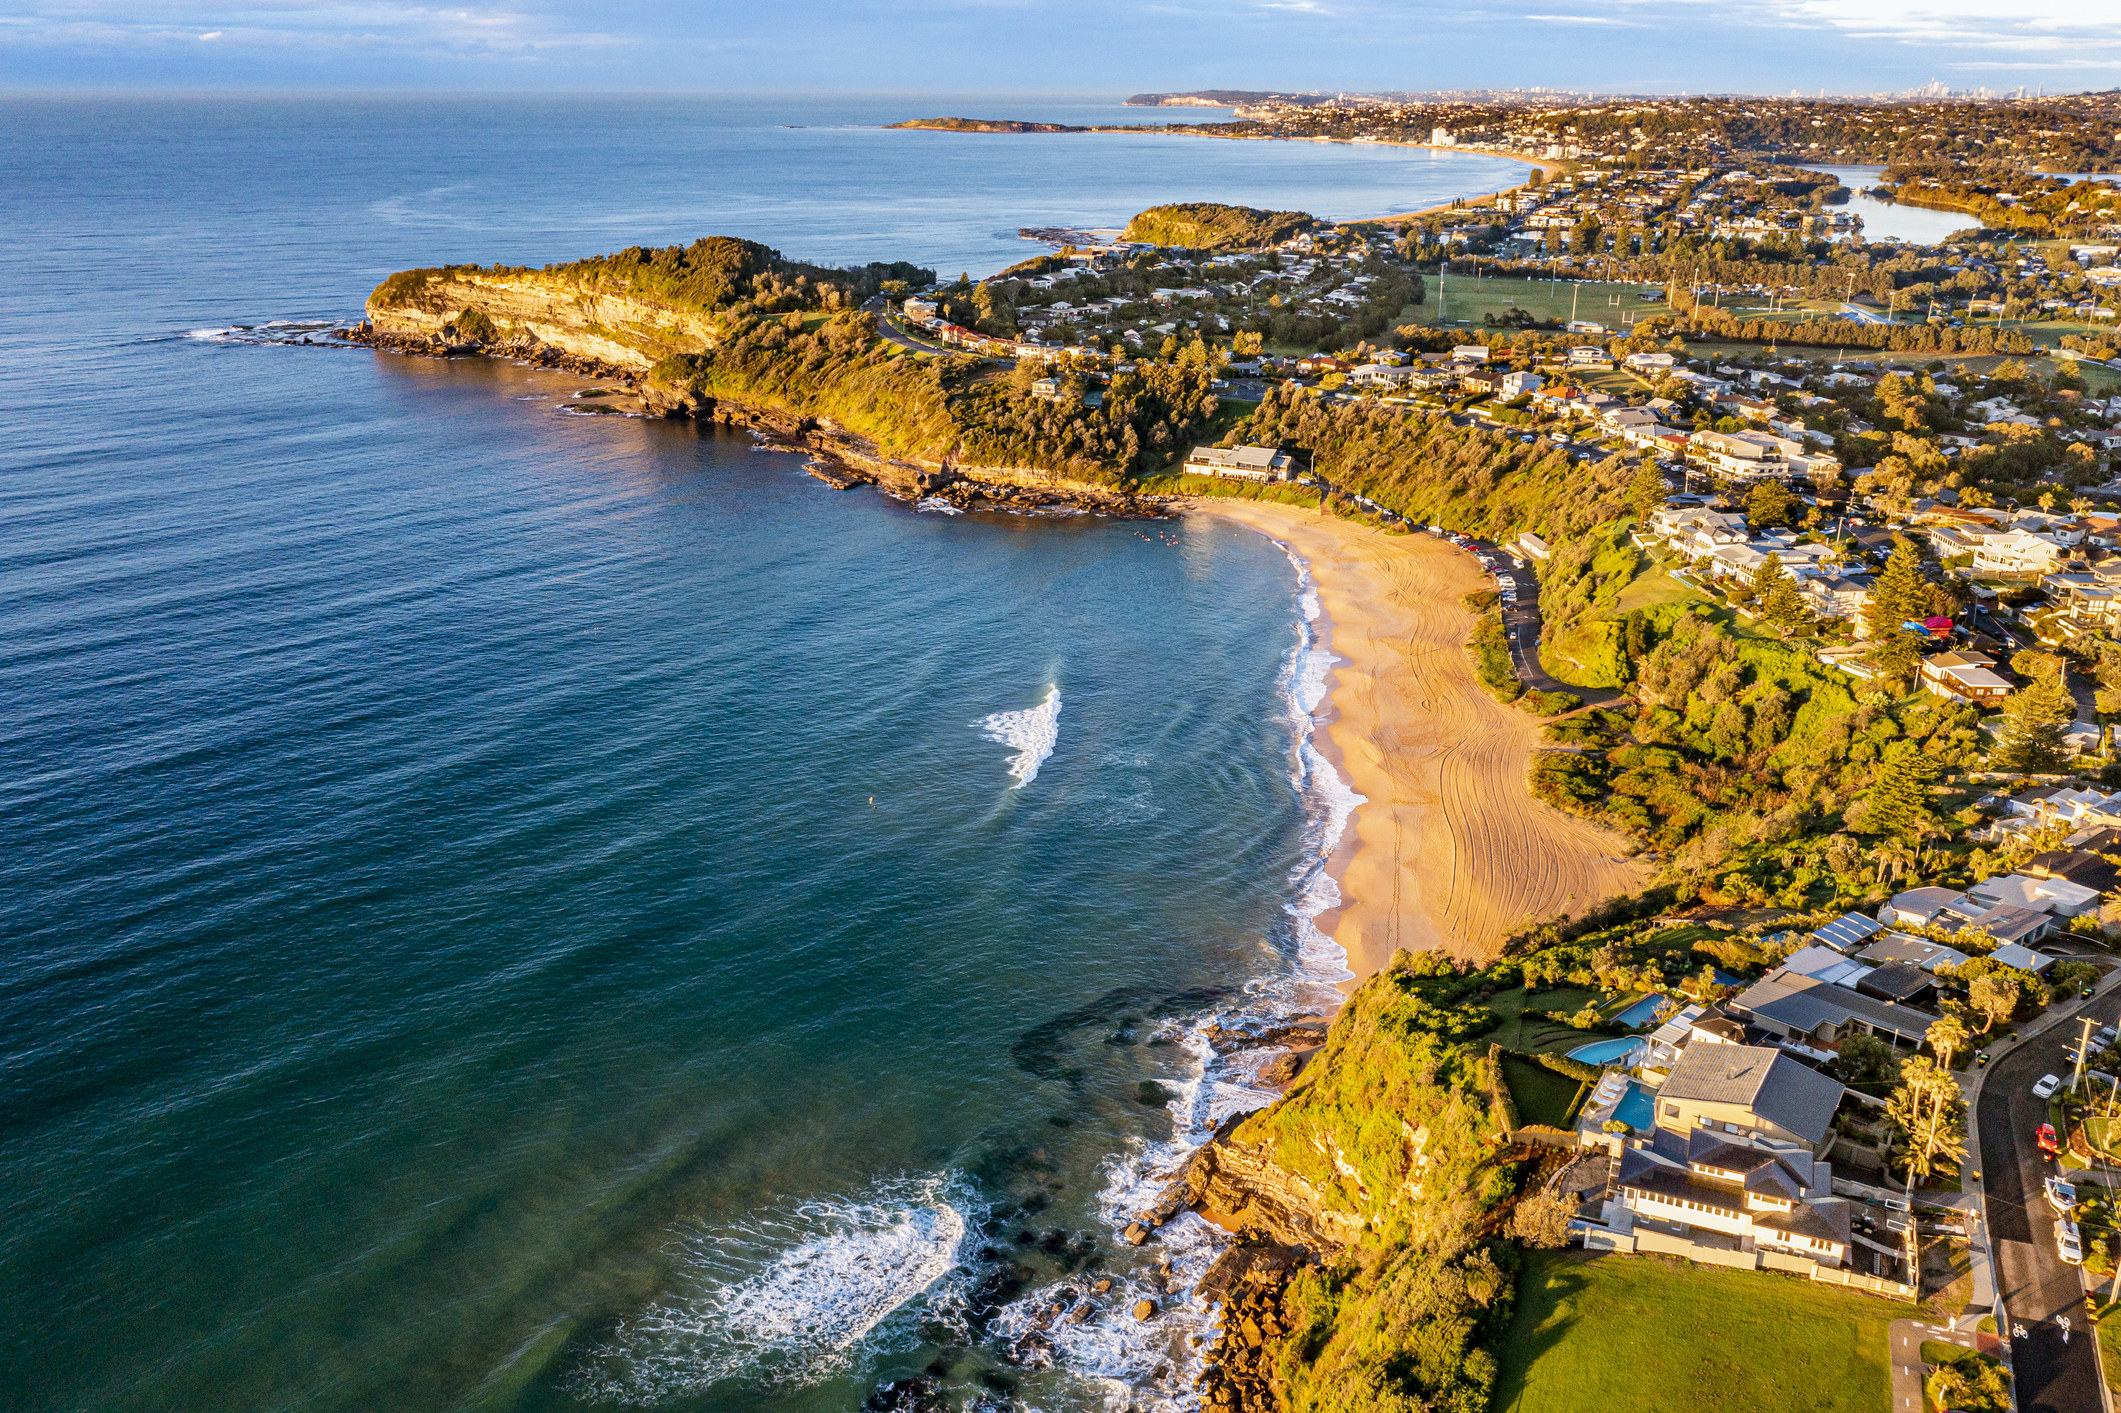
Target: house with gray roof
x=1742 y=1197
x=1847 y=932
x=1898 y=947
x=1753 y=1090
x=1819 y=1015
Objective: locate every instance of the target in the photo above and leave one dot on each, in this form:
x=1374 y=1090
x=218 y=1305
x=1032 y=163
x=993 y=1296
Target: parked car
x=2067 y=1244
x=2104 y=1036
x=2045 y=1137
x=2046 y=1086
x=2062 y=1196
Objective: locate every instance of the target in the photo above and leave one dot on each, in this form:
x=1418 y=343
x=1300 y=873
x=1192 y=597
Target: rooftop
x=1767 y=1082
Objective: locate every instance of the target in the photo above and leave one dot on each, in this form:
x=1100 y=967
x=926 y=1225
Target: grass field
x=1655 y=1334
x=1541 y=1095
x=1464 y=299
x=1518 y=1027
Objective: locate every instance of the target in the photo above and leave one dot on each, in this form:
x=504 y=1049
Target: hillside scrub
x=1434 y=472
x=1210 y=225
x=1749 y=752
x=940 y=409
x=1398 y=1126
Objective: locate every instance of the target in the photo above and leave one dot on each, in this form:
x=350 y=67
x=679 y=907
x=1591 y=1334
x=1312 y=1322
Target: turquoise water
x=1637 y=1108
x=517 y=910
x=1641 y=1013
x=1605 y=1052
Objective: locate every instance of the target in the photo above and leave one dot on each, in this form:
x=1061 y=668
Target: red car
x=2045 y=1137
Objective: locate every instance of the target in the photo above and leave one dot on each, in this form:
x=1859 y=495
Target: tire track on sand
x=1451 y=851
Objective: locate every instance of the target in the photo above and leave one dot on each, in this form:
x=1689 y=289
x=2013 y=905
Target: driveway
x=2054 y=1353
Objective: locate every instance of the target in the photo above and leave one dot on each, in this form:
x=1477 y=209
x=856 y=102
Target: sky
x=1088 y=46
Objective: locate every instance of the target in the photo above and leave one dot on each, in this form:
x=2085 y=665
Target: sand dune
x=1451 y=851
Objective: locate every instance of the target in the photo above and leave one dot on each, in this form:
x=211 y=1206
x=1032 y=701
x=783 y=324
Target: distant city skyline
x=1629 y=46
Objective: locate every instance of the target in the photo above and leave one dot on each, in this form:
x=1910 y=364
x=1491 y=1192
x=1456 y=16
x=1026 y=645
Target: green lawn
x=1466 y=299
x=1655 y=1334
x=1518 y=1027
x=1541 y=1095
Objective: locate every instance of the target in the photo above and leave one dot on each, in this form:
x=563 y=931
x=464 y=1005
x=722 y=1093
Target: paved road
x=2056 y=1359
x=1521 y=625
x=1904 y=1344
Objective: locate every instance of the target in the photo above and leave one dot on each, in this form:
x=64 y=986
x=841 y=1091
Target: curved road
x=2053 y=1349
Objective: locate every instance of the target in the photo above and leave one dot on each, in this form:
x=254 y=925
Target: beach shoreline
x=1449 y=850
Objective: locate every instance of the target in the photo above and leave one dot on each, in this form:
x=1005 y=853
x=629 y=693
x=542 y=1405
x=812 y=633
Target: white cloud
x=2024 y=26
x=1584 y=20
x=385 y=26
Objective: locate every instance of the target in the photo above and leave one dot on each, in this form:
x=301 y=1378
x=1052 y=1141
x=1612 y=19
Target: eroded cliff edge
x=728 y=331
x=1370 y=1270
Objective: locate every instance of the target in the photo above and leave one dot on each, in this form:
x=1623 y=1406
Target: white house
x=2016 y=551
x=1518 y=384
x=1244 y=463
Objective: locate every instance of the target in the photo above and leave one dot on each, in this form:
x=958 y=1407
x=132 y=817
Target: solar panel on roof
x=1848 y=931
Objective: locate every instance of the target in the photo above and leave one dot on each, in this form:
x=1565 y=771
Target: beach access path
x=1451 y=851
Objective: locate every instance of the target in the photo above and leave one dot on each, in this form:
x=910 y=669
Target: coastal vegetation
x=1209 y=225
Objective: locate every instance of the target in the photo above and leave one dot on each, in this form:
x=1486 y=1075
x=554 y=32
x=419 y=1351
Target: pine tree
x=1900 y=595
x=1646 y=491
x=2033 y=720
x=1768 y=504
x=1775 y=596
x=1899 y=802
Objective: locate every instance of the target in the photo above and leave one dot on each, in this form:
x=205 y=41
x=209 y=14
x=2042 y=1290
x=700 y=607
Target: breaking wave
x=1151 y=1366
x=1031 y=733
x=789 y=1296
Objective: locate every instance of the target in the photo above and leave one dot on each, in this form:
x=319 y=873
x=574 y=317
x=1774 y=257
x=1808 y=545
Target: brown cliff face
x=476 y=306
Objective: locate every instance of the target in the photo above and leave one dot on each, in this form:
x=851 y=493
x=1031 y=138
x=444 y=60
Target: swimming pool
x=1642 y=1012
x=1636 y=1109
x=1620 y=1052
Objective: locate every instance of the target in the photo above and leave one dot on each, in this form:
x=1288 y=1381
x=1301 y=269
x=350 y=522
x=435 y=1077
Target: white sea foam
x=789 y=1296
x=1153 y=1365
x=1330 y=800
x=1031 y=733
x=938 y=505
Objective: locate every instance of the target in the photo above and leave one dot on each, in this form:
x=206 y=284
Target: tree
x=1646 y=491
x=1865 y=1059
x=1780 y=604
x=1946 y=1036
x=1899 y=802
x=1972 y=1385
x=1543 y=1219
x=2033 y=720
x=1995 y=995
x=1930 y=1111
x=1900 y=595
x=1768 y=504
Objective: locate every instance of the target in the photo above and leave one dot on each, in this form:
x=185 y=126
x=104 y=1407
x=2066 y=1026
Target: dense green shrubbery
x=1751 y=747
x=1436 y=473
x=947 y=408
x=719 y=271
x=1397 y=1126
x=1491 y=657
x=1210 y=225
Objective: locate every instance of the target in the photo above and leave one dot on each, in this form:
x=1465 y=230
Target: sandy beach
x=1451 y=851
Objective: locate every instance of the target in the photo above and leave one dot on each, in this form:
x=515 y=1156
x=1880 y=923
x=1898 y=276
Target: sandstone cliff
x=469 y=306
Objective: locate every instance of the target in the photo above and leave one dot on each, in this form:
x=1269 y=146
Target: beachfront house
x=1242 y=463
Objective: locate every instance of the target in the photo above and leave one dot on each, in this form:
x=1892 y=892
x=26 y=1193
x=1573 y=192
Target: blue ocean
x=506 y=909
